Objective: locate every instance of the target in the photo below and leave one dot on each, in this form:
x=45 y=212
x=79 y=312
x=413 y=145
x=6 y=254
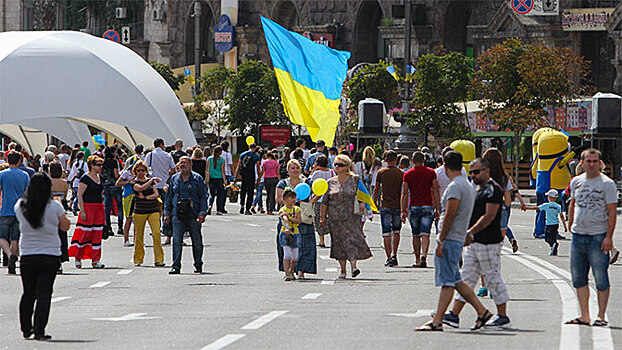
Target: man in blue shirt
x=13 y=183
x=320 y=146
x=185 y=206
x=247 y=166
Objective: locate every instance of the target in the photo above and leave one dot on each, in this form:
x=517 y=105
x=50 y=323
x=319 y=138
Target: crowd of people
x=173 y=190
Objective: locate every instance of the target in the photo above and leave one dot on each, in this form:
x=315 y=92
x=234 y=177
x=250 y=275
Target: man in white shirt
x=443 y=180
x=63 y=157
x=162 y=166
x=226 y=155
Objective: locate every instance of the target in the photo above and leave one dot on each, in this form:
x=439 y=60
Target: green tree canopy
x=174 y=81
x=373 y=81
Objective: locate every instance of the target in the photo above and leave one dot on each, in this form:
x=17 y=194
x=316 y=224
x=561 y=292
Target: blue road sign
x=111 y=35
x=522 y=6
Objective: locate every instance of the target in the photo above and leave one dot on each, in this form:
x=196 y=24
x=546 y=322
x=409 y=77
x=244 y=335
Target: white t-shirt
x=43 y=240
x=591 y=199
x=63 y=159
x=443 y=180
x=228 y=161
x=80 y=164
x=160 y=163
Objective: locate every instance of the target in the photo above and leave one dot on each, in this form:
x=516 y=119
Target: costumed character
x=533 y=173
x=467 y=149
x=554 y=154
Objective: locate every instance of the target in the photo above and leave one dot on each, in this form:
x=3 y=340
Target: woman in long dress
x=347 y=239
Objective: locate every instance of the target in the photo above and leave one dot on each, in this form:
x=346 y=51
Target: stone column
x=617 y=61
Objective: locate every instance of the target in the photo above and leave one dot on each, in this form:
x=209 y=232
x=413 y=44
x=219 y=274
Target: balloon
x=351 y=147
x=319 y=186
x=249 y=140
x=303 y=191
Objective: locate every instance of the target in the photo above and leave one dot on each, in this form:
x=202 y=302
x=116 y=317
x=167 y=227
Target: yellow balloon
x=319 y=187
x=249 y=140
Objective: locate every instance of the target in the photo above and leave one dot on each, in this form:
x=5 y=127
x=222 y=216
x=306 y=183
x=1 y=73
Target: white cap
x=552 y=193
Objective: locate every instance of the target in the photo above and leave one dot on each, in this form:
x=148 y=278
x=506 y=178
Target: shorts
x=485 y=260
x=447 y=268
x=585 y=253
x=421 y=219
x=128 y=205
x=9 y=228
x=290 y=253
x=505 y=216
x=390 y=220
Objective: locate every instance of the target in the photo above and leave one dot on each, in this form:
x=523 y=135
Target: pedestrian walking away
x=248 y=166
x=389 y=181
x=215 y=178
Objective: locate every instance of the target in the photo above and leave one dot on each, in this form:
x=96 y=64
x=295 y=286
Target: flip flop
x=430 y=327
x=600 y=323
x=578 y=321
x=482 y=320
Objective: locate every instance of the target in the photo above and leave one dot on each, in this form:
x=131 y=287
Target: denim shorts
x=447 y=268
x=9 y=228
x=390 y=220
x=585 y=253
x=505 y=216
x=421 y=219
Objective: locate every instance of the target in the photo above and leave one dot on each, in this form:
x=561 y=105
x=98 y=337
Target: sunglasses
x=340 y=164
x=99 y=164
x=476 y=171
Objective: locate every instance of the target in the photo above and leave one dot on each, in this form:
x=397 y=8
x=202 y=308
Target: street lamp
x=405 y=140
x=197 y=46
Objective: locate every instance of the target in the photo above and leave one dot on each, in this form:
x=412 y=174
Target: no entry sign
x=111 y=35
x=522 y=7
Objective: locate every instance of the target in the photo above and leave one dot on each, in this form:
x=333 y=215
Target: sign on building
x=323 y=39
x=535 y=7
x=125 y=35
x=223 y=36
x=583 y=20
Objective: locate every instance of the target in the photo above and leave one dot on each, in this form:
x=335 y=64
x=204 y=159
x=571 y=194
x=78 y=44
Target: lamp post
x=405 y=140
x=197 y=46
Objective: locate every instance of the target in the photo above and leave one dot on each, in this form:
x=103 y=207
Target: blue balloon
x=303 y=191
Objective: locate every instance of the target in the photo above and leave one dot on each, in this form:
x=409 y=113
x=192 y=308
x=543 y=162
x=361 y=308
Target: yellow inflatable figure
x=467 y=149
x=553 y=157
x=533 y=174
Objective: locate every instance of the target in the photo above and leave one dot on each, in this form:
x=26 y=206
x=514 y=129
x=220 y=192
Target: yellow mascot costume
x=467 y=149
x=533 y=173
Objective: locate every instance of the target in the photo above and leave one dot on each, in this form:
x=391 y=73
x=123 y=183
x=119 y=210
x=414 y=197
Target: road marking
x=331 y=269
x=224 y=341
x=601 y=336
x=328 y=282
x=219 y=219
x=253 y=225
x=57 y=299
x=100 y=284
x=263 y=320
x=125 y=272
x=128 y=317
x=419 y=313
x=570 y=336
x=324 y=257
x=311 y=296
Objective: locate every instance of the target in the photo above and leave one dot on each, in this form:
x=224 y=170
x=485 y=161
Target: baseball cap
x=551 y=193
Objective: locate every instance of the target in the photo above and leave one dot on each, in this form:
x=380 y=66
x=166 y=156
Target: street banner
x=310 y=78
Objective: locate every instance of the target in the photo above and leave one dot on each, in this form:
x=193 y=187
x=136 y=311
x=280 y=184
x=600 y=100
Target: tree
x=440 y=81
x=517 y=81
x=253 y=98
x=174 y=81
x=214 y=85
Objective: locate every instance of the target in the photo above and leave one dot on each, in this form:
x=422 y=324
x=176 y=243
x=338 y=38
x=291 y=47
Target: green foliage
x=198 y=112
x=253 y=98
x=167 y=73
x=373 y=81
x=214 y=82
x=441 y=80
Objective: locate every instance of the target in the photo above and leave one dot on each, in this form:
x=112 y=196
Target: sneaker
x=423 y=264
x=554 y=249
x=120 y=232
x=78 y=264
x=482 y=292
x=12 y=263
x=248 y=212
x=502 y=322
x=253 y=210
x=242 y=210
x=98 y=265
x=561 y=237
x=128 y=244
x=394 y=260
x=514 y=246
x=540 y=236
x=614 y=256
x=451 y=319
x=388 y=263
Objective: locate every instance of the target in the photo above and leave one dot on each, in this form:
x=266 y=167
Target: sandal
x=578 y=322
x=430 y=327
x=481 y=320
x=600 y=323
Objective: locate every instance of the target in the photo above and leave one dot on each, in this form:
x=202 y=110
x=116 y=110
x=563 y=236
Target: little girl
x=289 y=237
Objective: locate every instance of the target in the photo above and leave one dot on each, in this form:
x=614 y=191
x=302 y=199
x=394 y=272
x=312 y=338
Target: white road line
x=419 y=313
x=263 y=320
x=601 y=336
x=224 y=341
x=219 y=219
x=100 y=284
x=331 y=269
x=311 y=296
x=570 y=335
x=328 y=282
x=125 y=272
x=253 y=225
x=57 y=299
x=324 y=257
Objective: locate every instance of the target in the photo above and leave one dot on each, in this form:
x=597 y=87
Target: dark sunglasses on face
x=99 y=164
x=339 y=164
x=476 y=171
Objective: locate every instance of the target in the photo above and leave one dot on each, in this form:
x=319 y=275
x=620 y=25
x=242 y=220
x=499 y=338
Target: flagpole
x=197 y=46
x=404 y=141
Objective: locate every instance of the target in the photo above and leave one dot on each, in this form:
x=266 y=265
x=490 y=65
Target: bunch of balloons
x=98 y=140
x=303 y=191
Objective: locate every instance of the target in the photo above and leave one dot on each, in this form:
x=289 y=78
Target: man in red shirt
x=422 y=207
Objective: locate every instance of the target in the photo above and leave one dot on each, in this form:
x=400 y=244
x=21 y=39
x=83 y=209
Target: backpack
x=80 y=167
x=429 y=161
x=247 y=164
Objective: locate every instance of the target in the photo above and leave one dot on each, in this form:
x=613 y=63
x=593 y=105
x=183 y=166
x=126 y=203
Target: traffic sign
x=111 y=35
x=522 y=7
x=125 y=35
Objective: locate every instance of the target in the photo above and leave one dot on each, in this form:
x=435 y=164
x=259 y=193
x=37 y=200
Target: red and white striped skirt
x=86 y=242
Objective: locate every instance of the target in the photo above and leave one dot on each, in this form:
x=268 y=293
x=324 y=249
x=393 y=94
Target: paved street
x=241 y=301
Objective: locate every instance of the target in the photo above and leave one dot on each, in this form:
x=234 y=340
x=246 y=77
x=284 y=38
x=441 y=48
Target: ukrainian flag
x=310 y=78
x=393 y=72
x=364 y=196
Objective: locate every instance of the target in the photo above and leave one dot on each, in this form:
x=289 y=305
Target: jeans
x=270 y=184
x=550 y=234
x=111 y=192
x=585 y=253
x=179 y=227
x=421 y=218
x=258 y=201
x=390 y=220
x=38 y=273
x=166 y=228
x=247 y=191
x=217 y=191
x=74 y=199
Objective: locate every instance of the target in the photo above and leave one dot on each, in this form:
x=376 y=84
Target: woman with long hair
x=283 y=162
x=259 y=184
x=146 y=209
x=270 y=170
x=86 y=242
x=215 y=178
x=198 y=162
x=40 y=219
x=340 y=214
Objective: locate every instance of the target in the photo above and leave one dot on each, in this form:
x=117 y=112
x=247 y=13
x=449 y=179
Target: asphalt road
x=241 y=301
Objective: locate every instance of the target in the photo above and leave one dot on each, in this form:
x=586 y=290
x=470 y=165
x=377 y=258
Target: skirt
x=86 y=242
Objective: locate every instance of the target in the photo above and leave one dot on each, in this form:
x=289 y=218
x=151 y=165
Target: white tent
x=88 y=79
x=33 y=134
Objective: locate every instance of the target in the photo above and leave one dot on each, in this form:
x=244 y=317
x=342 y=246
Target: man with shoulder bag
x=185 y=208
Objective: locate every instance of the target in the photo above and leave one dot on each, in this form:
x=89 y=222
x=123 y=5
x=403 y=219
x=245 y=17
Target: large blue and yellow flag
x=363 y=195
x=310 y=78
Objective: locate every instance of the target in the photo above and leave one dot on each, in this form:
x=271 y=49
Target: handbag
x=306 y=212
